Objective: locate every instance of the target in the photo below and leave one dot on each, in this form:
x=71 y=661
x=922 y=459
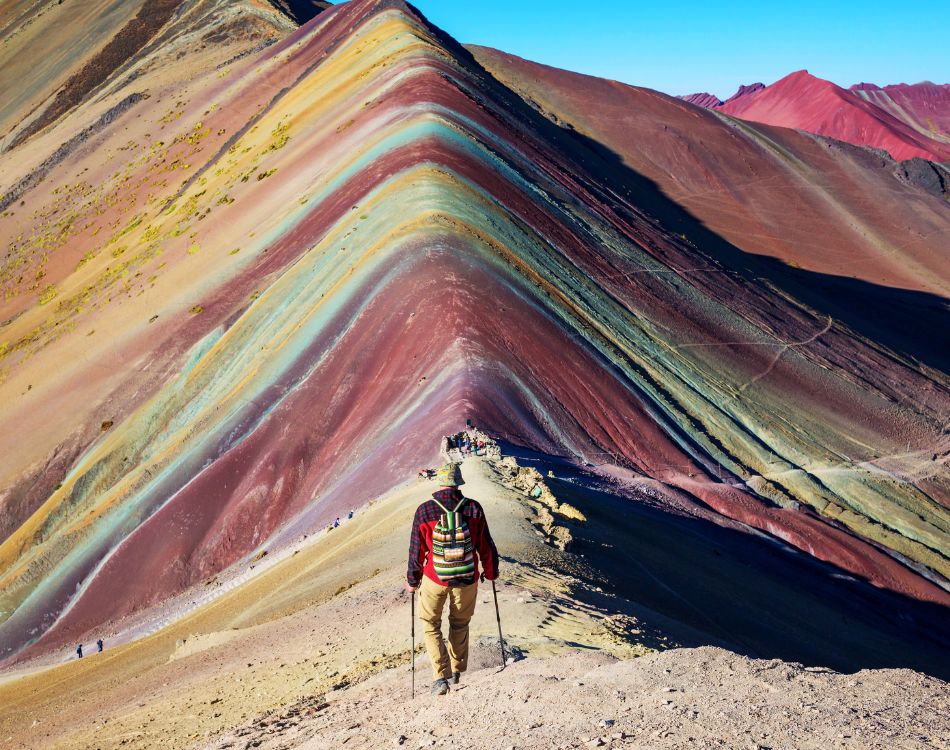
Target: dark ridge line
x=35 y=177
x=300 y=11
x=131 y=38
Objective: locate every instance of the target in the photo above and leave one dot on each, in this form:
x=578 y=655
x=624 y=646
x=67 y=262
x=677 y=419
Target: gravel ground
x=683 y=698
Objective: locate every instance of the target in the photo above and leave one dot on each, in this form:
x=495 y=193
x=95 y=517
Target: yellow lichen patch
x=48 y=294
x=198 y=133
x=279 y=137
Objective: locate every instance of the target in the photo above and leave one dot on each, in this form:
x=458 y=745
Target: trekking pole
x=412 y=627
x=501 y=640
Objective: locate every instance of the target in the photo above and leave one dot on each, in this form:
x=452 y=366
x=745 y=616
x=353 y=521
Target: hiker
x=99 y=645
x=336 y=522
x=79 y=651
x=449 y=539
x=349 y=516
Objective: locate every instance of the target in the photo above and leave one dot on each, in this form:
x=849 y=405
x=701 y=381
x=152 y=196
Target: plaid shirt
x=420 y=540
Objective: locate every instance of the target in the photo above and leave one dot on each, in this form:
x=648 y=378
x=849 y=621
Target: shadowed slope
x=773 y=192
x=349 y=243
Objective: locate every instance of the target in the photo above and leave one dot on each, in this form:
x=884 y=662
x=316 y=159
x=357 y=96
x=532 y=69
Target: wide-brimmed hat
x=449 y=475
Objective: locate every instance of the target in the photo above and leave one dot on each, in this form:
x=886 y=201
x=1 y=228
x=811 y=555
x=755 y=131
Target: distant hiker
x=349 y=516
x=336 y=522
x=99 y=645
x=449 y=538
x=79 y=650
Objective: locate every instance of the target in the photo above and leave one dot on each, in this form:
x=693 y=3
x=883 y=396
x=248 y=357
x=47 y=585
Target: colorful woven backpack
x=452 y=555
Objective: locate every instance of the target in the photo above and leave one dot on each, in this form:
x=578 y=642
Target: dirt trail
x=313 y=652
x=683 y=698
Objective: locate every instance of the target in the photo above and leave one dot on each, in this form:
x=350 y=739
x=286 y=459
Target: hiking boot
x=456 y=676
x=440 y=686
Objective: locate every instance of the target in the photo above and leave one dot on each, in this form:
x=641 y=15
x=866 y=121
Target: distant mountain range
x=905 y=120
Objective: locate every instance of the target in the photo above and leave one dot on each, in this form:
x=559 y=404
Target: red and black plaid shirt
x=420 y=541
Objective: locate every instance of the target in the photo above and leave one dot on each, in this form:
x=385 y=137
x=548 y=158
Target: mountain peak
x=745 y=90
x=702 y=99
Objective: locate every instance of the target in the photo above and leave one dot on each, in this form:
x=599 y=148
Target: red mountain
x=924 y=106
x=864 y=117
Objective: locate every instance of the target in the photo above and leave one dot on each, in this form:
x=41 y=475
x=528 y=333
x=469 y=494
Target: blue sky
x=691 y=46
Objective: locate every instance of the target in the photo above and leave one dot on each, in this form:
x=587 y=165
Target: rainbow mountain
x=254 y=273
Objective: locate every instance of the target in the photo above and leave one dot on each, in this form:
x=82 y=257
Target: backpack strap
x=455 y=509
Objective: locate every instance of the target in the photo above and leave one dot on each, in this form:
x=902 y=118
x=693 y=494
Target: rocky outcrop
x=744 y=90
x=552 y=519
x=702 y=100
x=928 y=176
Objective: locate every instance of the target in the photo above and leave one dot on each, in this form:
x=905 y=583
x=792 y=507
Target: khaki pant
x=462 y=600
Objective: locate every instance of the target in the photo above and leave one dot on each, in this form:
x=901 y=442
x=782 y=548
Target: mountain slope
x=256 y=297
x=55 y=58
x=924 y=106
x=768 y=191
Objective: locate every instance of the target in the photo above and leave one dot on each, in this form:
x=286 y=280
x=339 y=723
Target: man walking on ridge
x=449 y=538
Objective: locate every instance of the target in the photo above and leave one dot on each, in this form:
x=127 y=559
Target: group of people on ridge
x=464 y=443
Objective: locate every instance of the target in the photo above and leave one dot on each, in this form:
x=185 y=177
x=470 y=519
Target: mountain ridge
x=413 y=186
